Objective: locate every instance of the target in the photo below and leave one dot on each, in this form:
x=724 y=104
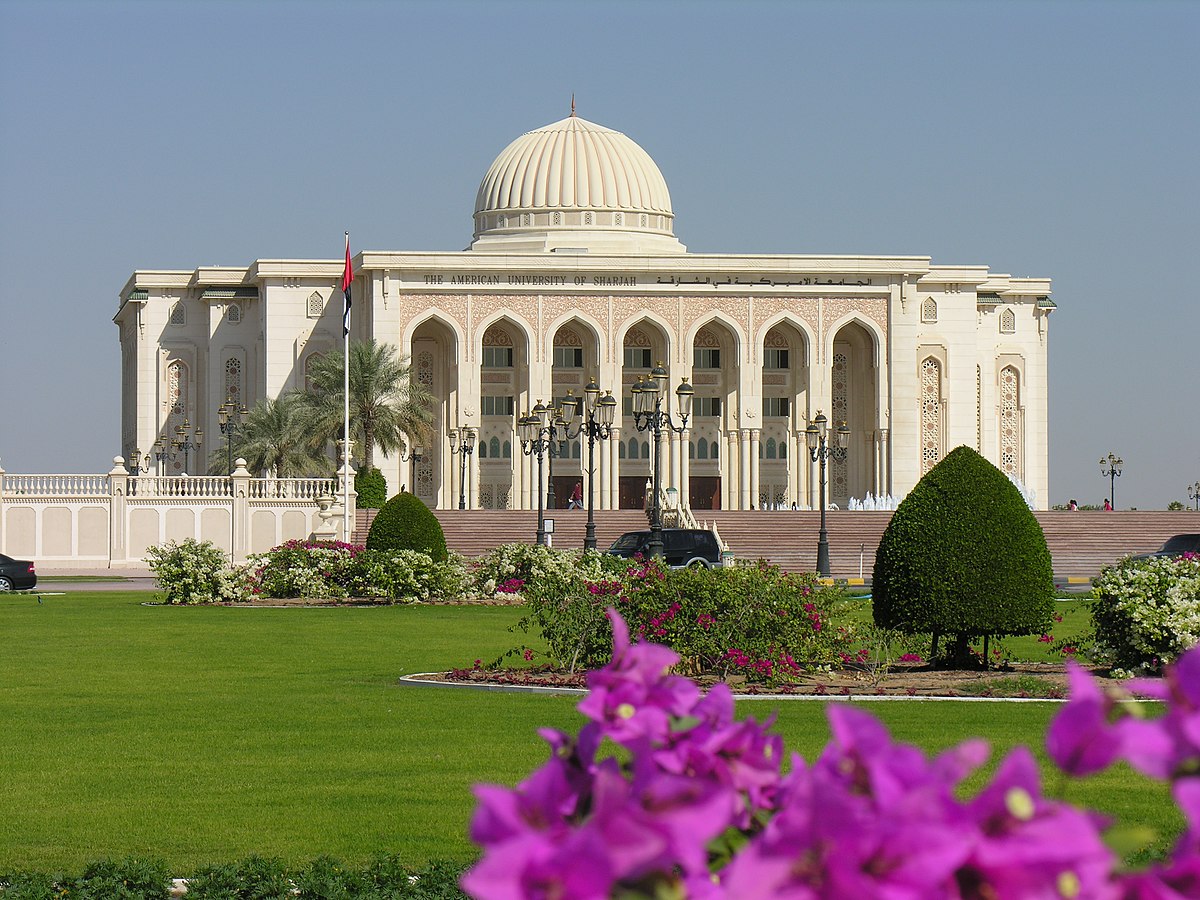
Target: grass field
x=201 y=735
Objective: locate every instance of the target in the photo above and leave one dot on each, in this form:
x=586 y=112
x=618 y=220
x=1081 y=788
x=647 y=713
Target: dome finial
x=572 y=104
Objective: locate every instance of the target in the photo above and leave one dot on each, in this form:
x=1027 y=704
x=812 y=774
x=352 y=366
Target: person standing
x=1107 y=506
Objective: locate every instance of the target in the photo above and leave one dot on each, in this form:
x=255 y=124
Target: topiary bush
x=963 y=555
x=405 y=523
x=371 y=487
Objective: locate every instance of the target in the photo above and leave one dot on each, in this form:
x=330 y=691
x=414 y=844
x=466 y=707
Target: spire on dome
x=572 y=104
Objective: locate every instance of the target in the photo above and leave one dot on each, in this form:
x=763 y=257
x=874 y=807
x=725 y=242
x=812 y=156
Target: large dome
x=574 y=185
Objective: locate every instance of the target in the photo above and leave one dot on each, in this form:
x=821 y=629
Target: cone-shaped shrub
x=964 y=556
x=405 y=523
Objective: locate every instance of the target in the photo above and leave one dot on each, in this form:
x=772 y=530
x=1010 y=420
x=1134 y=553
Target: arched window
x=1008 y=322
x=645 y=449
x=633 y=448
x=929 y=310
x=310 y=363
x=178 y=316
x=770 y=448
x=621 y=450
x=691 y=449
x=931 y=413
x=507 y=449
x=702 y=448
x=233 y=314
x=1010 y=422
x=783 y=449
x=494 y=447
x=483 y=454
x=714 y=449
x=315 y=306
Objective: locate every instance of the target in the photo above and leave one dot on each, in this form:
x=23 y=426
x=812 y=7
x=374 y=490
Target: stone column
x=240 y=511
x=612 y=480
x=744 y=458
x=118 y=486
x=346 y=496
x=685 y=468
x=730 y=483
x=755 y=479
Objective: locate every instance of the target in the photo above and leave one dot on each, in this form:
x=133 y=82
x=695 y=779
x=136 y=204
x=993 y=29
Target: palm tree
x=274 y=440
x=388 y=407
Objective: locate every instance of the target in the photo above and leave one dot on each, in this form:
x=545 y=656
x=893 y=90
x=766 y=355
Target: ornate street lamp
x=536 y=432
x=232 y=419
x=598 y=415
x=650 y=415
x=462 y=442
x=186 y=441
x=1112 y=473
x=416 y=453
x=161 y=453
x=815 y=436
x=1194 y=493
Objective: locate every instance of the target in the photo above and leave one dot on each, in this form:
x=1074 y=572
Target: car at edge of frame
x=16 y=574
x=1175 y=546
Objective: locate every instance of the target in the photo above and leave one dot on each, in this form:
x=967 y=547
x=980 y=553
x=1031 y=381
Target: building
x=574 y=272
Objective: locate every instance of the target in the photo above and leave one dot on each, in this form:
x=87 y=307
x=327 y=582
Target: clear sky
x=1056 y=139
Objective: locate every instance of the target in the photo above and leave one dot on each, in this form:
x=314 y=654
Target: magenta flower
x=1081 y=739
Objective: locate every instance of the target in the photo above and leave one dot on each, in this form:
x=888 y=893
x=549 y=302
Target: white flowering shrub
x=410 y=576
x=192 y=571
x=505 y=571
x=1147 y=612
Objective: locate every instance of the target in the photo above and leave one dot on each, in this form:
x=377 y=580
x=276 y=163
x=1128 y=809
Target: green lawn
x=201 y=735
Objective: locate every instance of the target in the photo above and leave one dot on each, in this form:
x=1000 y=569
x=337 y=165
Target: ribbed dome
x=574 y=184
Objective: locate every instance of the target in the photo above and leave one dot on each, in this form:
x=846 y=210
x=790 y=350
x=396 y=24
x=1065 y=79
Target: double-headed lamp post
x=536 y=432
x=1194 y=493
x=650 y=414
x=161 y=453
x=816 y=437
x=598 y=415
x=1110 y=468
x=462 y=442
x=186 y=441
x=415 y=453
x=231 y=418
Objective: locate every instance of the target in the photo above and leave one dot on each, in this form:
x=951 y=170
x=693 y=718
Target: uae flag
x=347 y=279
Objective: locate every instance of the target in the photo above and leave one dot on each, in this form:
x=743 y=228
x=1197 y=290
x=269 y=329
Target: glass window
x=706 y=407
x=638 y=358
x=775 y=406
x=706 y=358
x=496 y=406
x=568 y=357
x=775 y=358
x=497 y=357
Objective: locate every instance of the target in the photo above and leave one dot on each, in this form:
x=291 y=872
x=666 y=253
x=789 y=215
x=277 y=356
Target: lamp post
x=136 y=466
x=462 y=442
x=650 y=415
x=816 y=437
x=1110 y=468
x=161 y=453
x=186 y=441
x=1194 y=493
x=598 y=413
x=415 y=454
x=231 y=419
x=536 y=432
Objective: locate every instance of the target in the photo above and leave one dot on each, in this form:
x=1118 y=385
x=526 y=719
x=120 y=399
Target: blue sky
x=1049 y=139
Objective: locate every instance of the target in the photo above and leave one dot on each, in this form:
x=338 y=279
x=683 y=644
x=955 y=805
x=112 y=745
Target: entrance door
x=632 y=492
x=704 y=492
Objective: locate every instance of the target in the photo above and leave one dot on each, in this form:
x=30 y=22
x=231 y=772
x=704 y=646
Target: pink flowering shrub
x=695 y=803
x=753 y=622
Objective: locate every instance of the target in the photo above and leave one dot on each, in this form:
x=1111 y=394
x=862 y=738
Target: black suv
x=1175 y=546
x=682 y=547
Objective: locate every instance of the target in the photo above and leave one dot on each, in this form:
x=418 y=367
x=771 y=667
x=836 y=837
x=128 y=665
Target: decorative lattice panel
x=839 y=478
x=1010 y=424
x=931 y=414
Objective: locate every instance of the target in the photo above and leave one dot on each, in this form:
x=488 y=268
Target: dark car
x=16 y=574
x=1175 y=546
x=682 y=547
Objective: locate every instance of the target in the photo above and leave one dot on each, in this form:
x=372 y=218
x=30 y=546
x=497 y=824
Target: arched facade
x=577 y=275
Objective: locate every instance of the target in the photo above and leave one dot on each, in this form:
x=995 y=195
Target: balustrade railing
x=195 y=486
x=291 y=488
x=54 y=485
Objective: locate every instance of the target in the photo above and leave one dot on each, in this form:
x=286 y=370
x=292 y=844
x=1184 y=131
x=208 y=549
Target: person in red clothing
x=576 y=501
x=1107 y=506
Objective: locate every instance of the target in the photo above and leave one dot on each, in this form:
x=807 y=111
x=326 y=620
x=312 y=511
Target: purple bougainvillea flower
x=1081 y=739
x=1033 y=847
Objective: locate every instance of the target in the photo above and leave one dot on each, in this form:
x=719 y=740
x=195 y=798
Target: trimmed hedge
x=964 y=555
x=405 y=523
x=371 y=487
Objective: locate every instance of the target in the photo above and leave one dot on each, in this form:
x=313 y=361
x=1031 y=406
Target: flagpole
x=347 y=278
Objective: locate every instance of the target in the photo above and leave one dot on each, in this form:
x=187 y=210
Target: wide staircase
x=1080 y=543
